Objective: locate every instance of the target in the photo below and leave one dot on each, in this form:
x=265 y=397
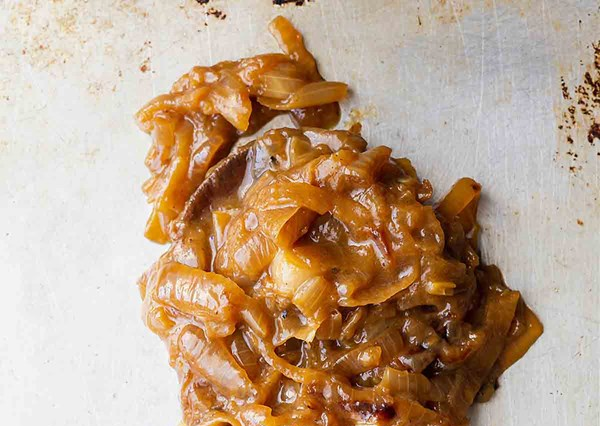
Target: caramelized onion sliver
x=309 y=95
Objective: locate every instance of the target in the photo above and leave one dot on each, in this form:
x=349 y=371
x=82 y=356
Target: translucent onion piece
x=220 y=220
x=461 y=385
x=178 y=102
x=211 y=298
x=196 y=399
x=352 y=322
x=333 y=389
x=411 y=413
x=231 y=99
x=516 y=348
x=322 y=116
x=163 y=141
x=166 y=191
x=257 y=318
x=292 y=326
x=219 y=418
x=309 y=95
x=359 y=360
x=331 y=328
x=297 y=194
x=391 y=344
x=336 y=139
x=297 y=374
x=461 y=202
x=412 y=385
x=441 y=288
x=158 y=321
x=211 y=359
x=289 y=272
x=285 y=225
x=315 y=298
x=247 y=359
x=291 y=42
x=369 y=163
x=379 y=292
x=417 y=362
x=267 y=383
x=155 y=227
x=244 y=255
x=277 y=84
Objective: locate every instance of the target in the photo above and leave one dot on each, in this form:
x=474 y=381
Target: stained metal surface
x=462 y=87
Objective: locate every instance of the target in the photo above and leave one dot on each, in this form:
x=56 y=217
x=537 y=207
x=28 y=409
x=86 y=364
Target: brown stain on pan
x=453 y=11
x=579 y=114
x=216 y=13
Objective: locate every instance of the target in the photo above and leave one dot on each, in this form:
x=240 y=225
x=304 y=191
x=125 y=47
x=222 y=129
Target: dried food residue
x=565 y=89
x=580 y=119
x=594 y=132
x=579 y=222
x=585 y=103
x=219 y=14
x=357 y=116
x=296 y=2
x=145 y=66
x=213 y=11
x=450 y=12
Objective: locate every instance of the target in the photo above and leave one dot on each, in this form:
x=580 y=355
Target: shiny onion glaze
x=308 y=280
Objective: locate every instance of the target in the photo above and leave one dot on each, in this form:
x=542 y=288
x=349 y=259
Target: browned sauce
x=308 y=280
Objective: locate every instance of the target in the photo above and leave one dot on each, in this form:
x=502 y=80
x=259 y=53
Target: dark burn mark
x=565 y=89
x=580 y=114
x=202 y=1
x=296 y=2
x=572 y=154
x=594 y=133
x=216 y=13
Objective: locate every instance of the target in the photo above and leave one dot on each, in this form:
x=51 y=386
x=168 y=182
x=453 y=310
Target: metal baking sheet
x=462 y=87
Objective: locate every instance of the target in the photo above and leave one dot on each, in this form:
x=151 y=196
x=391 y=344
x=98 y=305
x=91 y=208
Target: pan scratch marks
x=460 y=30
x=499 y=38
x=481 y=81
x=208 y=35
x=327 y=37
x=576 y=357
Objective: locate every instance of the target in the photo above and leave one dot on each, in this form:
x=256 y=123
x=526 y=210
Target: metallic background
x=462 y=87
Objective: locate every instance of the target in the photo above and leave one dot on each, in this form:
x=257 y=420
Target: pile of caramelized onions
x=308 y=280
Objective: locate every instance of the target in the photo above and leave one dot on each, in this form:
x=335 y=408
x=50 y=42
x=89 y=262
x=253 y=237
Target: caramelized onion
x=212 y=360
x=308 y=281
x=309 y=95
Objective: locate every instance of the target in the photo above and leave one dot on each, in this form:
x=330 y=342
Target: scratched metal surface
x=463 y=87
